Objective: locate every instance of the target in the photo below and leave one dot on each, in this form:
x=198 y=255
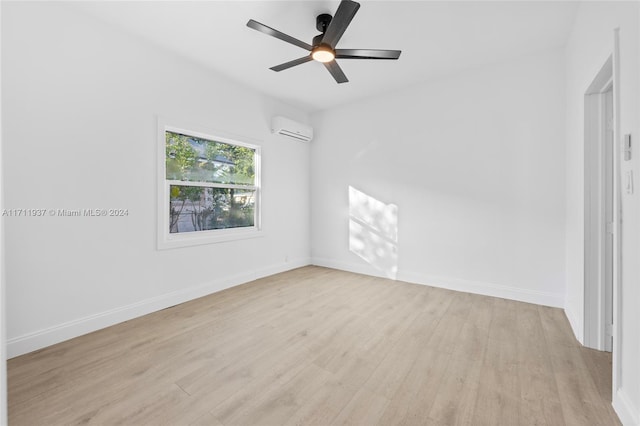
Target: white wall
x=589 y=46
x=474 y=164
x=79 y=106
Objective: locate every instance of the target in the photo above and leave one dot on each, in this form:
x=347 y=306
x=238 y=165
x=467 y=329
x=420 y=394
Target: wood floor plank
x=456 y=400
x=445 y=336
x=473 y=338
x=291 y=364
x=364 y=408
x=316 y=346
x=207 y=419
x=324 y=405
x=278 y=404
x=594 y=361
x=416 y=394
x=496 y=407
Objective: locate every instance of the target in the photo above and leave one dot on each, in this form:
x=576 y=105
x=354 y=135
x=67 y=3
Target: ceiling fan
x=323 y=47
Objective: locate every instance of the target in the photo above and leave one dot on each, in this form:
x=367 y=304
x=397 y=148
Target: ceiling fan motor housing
x=317 y=40
x=323 y=21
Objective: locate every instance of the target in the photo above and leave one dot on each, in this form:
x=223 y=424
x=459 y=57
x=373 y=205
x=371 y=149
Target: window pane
x=196 y=208
x=200 y=160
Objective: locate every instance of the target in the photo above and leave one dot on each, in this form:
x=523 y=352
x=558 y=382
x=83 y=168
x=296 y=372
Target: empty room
x=320 y=212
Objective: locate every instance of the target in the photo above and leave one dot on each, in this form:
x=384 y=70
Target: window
x=209 y=188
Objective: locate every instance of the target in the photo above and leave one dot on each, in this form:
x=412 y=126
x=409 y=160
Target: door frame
x=597 y=316
x=593 y=294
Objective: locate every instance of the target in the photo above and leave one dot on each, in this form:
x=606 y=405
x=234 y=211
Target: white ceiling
x=436 y=38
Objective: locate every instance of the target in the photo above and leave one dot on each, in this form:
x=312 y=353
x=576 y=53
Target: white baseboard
x=627 y=413
x=476 y=287
x=576 y=325
x=58 y=333
x=347 y=266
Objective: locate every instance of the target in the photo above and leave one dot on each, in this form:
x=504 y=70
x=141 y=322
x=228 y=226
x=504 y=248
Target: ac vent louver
x=292 y=129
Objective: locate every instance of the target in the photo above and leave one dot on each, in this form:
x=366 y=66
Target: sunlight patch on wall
x=373 y=231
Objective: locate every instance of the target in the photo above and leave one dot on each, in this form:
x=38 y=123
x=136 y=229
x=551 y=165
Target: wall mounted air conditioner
x=287 y=127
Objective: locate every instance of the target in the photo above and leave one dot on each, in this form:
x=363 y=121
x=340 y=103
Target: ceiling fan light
x=323 y=54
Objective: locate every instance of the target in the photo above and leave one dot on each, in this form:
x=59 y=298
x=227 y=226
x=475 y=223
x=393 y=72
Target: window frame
x=168 y=240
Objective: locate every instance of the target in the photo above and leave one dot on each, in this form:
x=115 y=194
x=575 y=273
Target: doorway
x=600 y=201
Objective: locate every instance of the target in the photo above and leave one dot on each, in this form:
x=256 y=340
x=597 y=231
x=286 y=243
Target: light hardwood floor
x=318 y=346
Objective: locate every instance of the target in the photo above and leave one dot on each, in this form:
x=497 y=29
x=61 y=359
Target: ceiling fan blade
x=341 y=20
x=277 y=34
x=336 y=72
x=367 y=54
x=292 y=63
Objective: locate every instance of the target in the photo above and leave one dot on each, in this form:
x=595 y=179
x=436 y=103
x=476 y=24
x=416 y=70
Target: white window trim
x=166 y=240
